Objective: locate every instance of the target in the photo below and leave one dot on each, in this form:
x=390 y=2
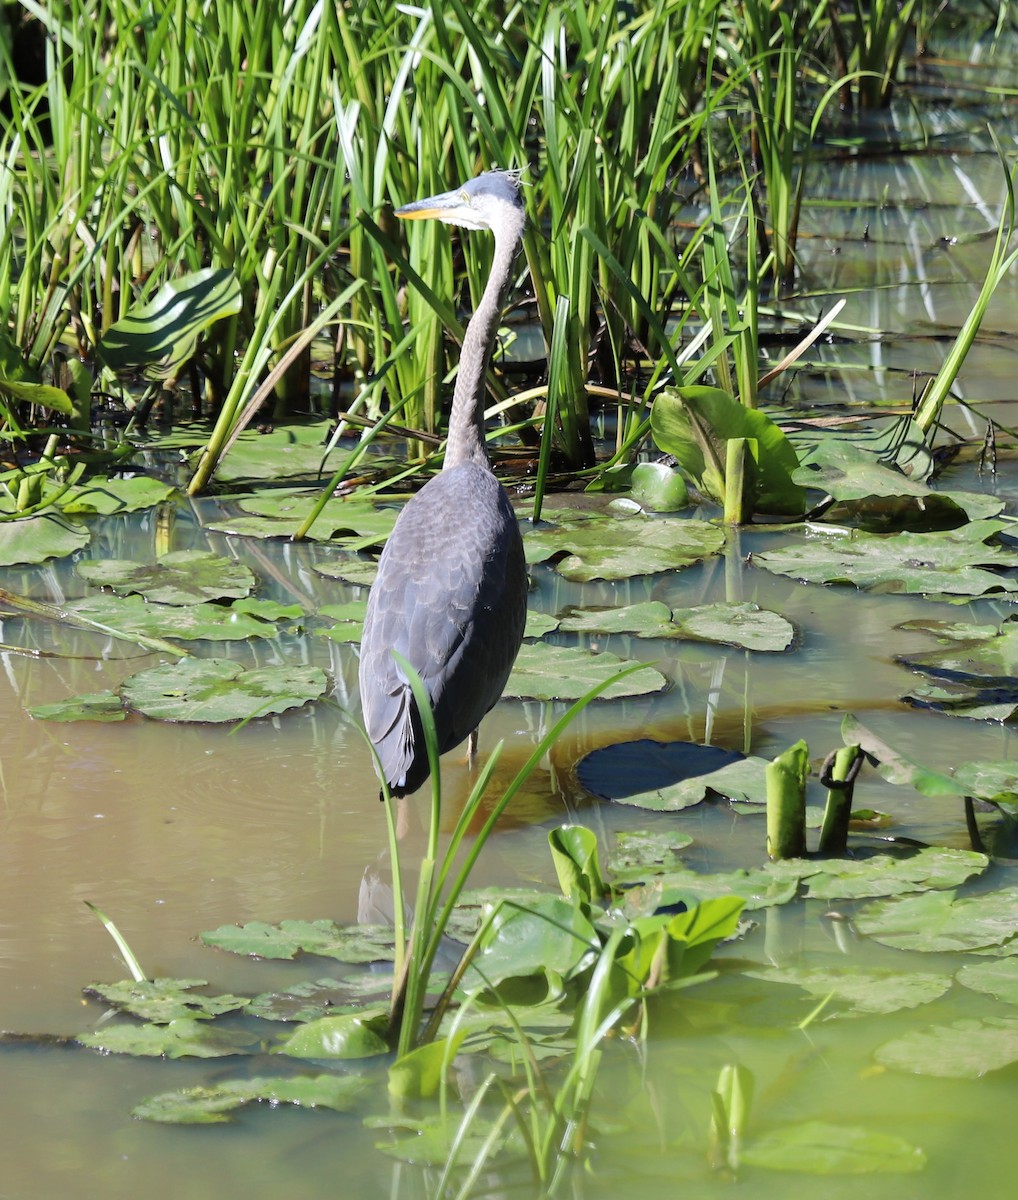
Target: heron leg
x=471 y=748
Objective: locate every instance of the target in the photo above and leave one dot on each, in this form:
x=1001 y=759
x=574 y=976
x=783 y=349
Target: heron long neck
x=466 y=422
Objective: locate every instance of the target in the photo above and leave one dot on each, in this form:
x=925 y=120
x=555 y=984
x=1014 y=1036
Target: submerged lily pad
x=743 y=625
x=35 y=539
x=545 y=672
x=218 y=689
x=183 y=1037
x=586 y=545
x=352 y=944
x=164 y=1000
x=640 y=853
x=305 y=1001
x=211 y=1105
x=952 y=562
x=998 y=979
x=962 y=1050
x=95 y=706
x=857 y=993
x=818 y=1148
x=181 y=577
x=938 y=921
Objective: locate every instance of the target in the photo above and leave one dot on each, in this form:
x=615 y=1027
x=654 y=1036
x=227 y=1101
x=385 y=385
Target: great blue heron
x=450 y=595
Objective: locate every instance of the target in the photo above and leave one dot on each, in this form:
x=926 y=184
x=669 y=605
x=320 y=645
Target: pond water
x=176 y=829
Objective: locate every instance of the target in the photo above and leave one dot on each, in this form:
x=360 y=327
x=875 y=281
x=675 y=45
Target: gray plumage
x=450 y=595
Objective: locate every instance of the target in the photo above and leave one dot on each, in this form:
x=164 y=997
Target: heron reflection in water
x=450 y=594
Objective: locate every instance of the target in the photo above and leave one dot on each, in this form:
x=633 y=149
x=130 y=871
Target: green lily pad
x=349 y=618
x=818 y=1148
x=344 y=1036
x=993 y=782
x=640 y=853
x=95 y=706
x=894 y=766
x=342 y=517
x=286 y=452
x=352 y=944
x=132 y=615
x=219 y=689
x=360 y=572
x=35 y=539
x=211 y=1105
x=938 y=921
x=585 y=545
x=304 y=1001
x=999 y=979
x=164 y=1000
x=545 y=672
x=181 y=577
x=763 y=887
x=962 y=1050
x=953 y=562
x=128 y=494
x=268 y=610
x=888 y=875
x=183 y=1037
x=539 y=623
x=856 y=993
x=743 y=625
x=547 y=934
x=743 y=781
x=977 y=679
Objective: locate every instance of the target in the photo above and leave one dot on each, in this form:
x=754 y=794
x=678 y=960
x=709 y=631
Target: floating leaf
x=998 y=979
x=894 y=766
x=210 y=1105
x=95 y=706
x=218 y=689
x=350 y=944
x=774 y=883
x=35 y=539
x=164 y=1000
x=937 y=921
x=980 y=676
x=817 y=1148
x=640 y=853
x=350 y=618
x=538 y=624
x=184 y=1037
x=181 y=577
x=545 y=672
x=360 y=572
x=742 y=781
x=159 y=336
x=344 y=1036
x=133 y=616
x=887 y=875
x=857 y=993
x=993 y=782
x=586 y=545
x=962 y=1050
x=743 y=625
x=952 y=562
x=123 y=494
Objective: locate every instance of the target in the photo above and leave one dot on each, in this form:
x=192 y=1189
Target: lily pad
x=953 y=562
x=35 y=539
x=743 y=625
x=889 y=875
x=132 y=615
x=545 y=672
x=95 y=706
x=998 y=979
x=773 y=884
x=818 y=1148
x=640 y=853
x=360 y=572
x=979 y=677
x=181 y=577
x=219 y=689
x=345 y=1036
x=741 y=781
x=342 y=518
x=183 y=1037
x=349 y=618
x=352 y=944
x=303 y=1001
x=547 y=934
x=856 y=993
x=939 y=922
x=124 y=494
x=585 y=545
x=538 y=624
x=164 y=1000
x=962 y=1050
x=211 y=1105
x=658 y=487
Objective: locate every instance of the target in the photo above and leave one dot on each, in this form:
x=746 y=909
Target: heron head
x=491 y=201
